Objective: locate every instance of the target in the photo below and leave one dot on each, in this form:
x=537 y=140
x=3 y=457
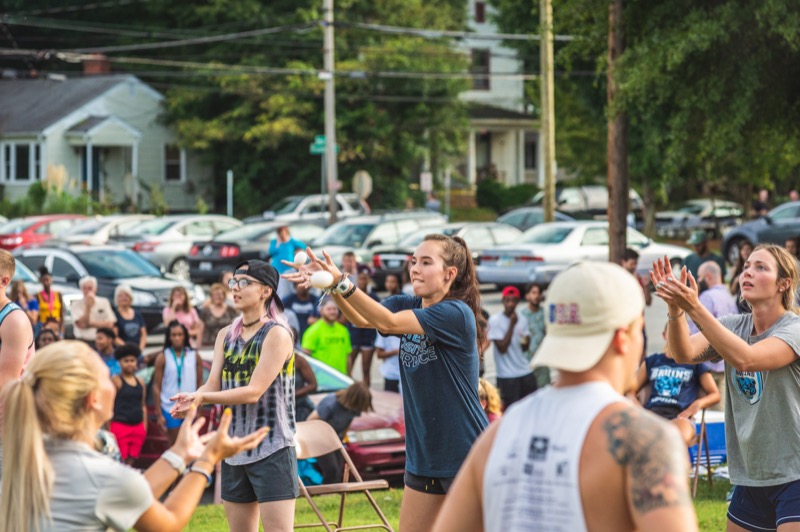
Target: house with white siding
x=503 y=138
x=101 y=134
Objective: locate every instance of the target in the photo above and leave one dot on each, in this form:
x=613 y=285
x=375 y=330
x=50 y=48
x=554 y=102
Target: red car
x=376 y=440
x=156 y=443
x=35 y=229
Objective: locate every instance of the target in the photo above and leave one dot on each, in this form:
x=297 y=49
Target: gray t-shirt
x=762 y=410
x=337 y=416
x=91 y=491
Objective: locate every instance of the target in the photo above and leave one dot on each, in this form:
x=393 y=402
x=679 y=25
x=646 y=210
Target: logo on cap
x=565 y=314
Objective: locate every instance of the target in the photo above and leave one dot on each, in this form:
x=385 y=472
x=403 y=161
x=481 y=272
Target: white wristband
x=174 y=460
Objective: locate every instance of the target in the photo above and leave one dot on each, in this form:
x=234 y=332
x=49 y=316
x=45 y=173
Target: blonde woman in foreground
x=55 y=480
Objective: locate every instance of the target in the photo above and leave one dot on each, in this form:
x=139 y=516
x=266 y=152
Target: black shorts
x=665 y=411
x=364 y=338
x=516 y=388
x=391 y=385
x=430 y=485
x=765 y=508
x=273 y=478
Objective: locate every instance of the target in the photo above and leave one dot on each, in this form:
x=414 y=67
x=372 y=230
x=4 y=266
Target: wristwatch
x=200 y=470
x=175 y=461
x=344 y=285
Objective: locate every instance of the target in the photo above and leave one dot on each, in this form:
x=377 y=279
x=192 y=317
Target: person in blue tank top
x=253 y=371
x=438 y=363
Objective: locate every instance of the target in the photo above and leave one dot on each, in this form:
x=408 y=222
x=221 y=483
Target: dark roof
x=31 y=105
x=85 y=125
x=479 y=111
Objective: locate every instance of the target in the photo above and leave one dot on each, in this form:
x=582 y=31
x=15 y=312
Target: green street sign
x=319 y=149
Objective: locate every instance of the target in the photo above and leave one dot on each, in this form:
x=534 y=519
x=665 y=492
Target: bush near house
x=495 y=195
x=43 y=199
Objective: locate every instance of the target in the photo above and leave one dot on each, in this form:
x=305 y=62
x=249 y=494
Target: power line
x=438 y=34
x=213 y=69
x=357 y=74
x=79 y=7
x=57 y=24
x=200 y=40
x=13 y=41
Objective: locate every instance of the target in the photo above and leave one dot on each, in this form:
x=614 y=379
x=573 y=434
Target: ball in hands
x=300 y=258
x=321 y=279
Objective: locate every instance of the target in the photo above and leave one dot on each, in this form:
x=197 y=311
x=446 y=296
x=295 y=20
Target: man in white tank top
x=577 y=455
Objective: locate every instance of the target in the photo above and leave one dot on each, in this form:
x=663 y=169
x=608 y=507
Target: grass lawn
x=710 y=506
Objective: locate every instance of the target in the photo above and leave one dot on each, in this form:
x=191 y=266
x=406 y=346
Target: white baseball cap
x=584 y=306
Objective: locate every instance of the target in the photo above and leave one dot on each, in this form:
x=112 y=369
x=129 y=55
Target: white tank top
x=171 y=383
x=531 y=477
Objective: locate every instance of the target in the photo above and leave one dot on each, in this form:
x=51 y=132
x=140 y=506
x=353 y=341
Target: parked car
x=166 y=241
x=775 y=227
x=208 y=259
x=524 y=218
x=112 y=266
x=589 y=202
x=100 y=229
x=710 y=214
x=376 y=441
x=155 y=444
x=312 y=209
x=547 y=249
x=362 y=234
x=478 y=236
x=35 y=229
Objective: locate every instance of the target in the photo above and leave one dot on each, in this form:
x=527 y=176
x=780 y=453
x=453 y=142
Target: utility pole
x=330 y=109
x=548 y=127
x=617 y=147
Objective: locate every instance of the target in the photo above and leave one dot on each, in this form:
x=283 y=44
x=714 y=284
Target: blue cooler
x=715 y=431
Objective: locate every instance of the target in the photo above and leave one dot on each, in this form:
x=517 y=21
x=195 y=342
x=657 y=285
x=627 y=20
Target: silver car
x=101 y=229
x=312 y=209
x=167 y=241
x=547 y=249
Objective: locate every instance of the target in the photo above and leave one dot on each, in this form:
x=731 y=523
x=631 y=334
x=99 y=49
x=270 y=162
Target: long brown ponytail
x=455 y=253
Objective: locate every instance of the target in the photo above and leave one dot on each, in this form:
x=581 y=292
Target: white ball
x=301 y=258
x=321 y=279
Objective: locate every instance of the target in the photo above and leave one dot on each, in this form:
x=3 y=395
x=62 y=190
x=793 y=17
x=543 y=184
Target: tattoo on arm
x=709 y=354
x=654 y=458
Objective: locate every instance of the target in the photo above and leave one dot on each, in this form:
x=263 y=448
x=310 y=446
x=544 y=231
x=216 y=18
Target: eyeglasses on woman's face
x=242 y=283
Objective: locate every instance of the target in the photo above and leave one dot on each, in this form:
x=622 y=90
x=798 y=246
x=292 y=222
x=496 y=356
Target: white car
x=101 y=229
x=312 y=209
x=547 y=249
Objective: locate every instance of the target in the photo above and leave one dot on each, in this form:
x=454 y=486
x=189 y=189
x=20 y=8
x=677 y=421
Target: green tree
x=711 y=89
x=259 y=124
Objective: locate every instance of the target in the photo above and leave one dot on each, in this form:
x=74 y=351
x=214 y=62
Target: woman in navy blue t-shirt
x=438 y=363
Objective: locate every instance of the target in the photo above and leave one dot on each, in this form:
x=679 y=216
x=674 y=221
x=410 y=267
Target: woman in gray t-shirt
x=762 y=375
x=54 y=479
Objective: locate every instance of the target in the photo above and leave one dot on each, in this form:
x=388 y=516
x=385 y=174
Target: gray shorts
x=273 y=478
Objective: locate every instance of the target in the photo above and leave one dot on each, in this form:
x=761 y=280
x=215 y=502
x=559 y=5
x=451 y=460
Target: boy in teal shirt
x=327 y=340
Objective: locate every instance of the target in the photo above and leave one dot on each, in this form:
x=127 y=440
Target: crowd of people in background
x=430 y=311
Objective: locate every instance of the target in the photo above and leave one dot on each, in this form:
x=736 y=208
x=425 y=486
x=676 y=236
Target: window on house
x=20 y=161
x=531 y=151
x=8 y=164
x=22 y=166
x=173 y=163
x=37 y=162
x=480 y=69
x=480 y=11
